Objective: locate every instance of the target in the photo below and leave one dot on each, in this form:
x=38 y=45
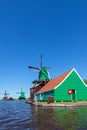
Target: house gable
x=72 y=82
x=73 y=70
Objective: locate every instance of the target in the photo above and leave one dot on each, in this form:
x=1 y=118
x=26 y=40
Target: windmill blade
x=47 y=68
x=20 y=92
x=35 y=68
x=5 y=93
x=41 y=61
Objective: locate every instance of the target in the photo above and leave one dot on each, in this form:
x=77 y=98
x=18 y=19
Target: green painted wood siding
x=48 y=94
x=72 y=82
x=38 y=97
x=45 y=95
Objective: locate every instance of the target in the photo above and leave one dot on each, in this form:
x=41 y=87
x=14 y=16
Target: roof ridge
x=65 y=72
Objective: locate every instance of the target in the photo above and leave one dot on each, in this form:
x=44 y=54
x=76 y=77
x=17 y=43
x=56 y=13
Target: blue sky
x=57 y=29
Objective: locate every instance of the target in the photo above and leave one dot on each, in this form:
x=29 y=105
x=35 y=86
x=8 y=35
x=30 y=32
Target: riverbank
x=59 y=104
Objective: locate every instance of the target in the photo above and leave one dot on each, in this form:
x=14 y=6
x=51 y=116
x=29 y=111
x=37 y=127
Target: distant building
x=67 y=87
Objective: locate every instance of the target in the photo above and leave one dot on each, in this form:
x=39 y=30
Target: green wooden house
x=67 y=87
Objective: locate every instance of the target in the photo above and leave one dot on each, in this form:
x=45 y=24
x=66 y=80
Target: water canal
x=17 y=115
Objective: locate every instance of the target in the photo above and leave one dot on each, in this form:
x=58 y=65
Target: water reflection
x=45 y=119
x=61 y=118
x=17 y=115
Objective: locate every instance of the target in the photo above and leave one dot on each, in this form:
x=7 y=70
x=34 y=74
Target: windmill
x=5 y=95
x=43 y=78
x=43 y=71
x=22 y=95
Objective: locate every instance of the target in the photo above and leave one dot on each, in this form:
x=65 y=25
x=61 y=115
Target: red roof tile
x=53 y=83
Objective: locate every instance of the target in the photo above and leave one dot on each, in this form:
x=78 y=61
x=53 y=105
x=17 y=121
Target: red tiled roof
x=53 y=83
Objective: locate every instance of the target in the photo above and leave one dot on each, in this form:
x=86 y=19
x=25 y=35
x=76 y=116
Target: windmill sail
x=43 y=71
x=35 y=68
x=22 y=95
x=41 y=61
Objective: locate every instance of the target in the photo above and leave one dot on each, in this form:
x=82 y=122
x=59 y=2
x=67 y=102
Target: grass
x=77 y=102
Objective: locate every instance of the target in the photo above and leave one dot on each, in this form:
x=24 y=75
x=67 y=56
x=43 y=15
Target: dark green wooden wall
x=45 y=95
